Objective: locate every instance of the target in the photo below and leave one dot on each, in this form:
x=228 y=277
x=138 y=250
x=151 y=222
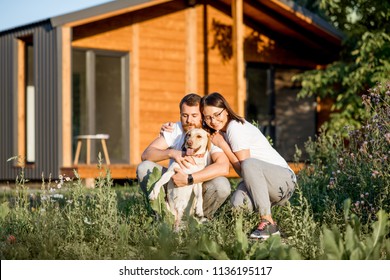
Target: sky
x=14 y=13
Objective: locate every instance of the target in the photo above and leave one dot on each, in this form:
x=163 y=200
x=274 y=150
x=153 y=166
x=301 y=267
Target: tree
x=364 y=58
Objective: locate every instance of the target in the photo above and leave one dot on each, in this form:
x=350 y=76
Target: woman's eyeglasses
x=216 y=116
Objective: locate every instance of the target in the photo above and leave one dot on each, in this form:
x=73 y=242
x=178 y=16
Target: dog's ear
x=183 y=146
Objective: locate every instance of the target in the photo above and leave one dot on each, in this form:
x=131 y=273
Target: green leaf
x=333 y=244
x=4 y=210
x=158 y=205
x=375 y=241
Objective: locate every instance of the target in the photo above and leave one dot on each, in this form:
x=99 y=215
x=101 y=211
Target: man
x=168 y=146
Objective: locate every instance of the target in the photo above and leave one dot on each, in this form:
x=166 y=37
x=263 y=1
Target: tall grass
x=339 y=211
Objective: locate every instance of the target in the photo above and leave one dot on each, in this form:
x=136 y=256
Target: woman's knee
x=249 y=166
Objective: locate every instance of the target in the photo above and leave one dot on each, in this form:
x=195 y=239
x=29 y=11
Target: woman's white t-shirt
x=243 y=136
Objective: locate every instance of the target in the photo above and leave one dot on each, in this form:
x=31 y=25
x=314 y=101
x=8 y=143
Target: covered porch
x=128 y=171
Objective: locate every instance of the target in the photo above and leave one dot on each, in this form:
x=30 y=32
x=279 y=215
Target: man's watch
x=190 y=179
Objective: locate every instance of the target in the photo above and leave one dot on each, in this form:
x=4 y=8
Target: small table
x=101 y=137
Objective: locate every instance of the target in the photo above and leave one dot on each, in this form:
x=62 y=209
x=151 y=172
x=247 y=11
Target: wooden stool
x=101 y=137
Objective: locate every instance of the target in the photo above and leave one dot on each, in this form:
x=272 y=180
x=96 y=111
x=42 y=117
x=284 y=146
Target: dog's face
x=197 y=141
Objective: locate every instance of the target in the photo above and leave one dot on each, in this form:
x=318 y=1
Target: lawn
x=340 y=210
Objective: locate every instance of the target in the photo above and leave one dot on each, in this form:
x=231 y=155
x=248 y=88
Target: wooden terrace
x=125 y=171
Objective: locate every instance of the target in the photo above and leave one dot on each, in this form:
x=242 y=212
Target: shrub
x=356 y=167
x=340 y=210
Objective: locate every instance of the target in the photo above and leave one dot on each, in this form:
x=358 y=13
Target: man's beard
x=192 y=125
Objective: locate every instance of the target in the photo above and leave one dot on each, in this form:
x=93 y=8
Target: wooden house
x=121 y=68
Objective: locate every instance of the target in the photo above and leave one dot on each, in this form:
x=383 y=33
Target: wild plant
x=356 y=167
x=352 y=244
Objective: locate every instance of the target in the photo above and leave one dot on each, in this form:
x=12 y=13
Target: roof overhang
x=103 y=11
x=292 y=26
x=289 y=24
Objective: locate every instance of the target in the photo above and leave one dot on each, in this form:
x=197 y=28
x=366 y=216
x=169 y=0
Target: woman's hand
x=218 y=140
x=166 y=127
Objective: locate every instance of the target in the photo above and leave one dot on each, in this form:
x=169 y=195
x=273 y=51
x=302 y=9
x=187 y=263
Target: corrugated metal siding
x=46 y=102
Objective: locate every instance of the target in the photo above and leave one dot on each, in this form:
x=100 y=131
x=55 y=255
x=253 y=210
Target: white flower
x=87 y=221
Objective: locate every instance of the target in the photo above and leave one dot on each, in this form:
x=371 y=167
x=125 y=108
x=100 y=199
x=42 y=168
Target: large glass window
x=100 y=101
x=30 y=104
x=25 y=121
x=272 y=103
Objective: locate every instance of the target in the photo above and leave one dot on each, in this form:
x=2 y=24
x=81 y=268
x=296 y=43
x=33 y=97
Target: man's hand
x=180 y=179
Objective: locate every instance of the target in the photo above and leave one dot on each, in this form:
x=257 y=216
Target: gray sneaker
x=265 y=230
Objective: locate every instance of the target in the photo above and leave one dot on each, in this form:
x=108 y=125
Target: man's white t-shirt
x=175 y=140
x=242 y=136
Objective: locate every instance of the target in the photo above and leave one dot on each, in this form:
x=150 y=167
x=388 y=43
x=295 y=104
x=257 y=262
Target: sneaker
x=265 y=230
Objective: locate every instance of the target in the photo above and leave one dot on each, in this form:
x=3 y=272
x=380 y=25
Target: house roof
x=292 y=26
x=103 y=11
x=281 y=20
x=275 y=12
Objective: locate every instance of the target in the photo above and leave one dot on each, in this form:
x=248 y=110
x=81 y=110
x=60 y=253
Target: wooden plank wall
x=158 y=48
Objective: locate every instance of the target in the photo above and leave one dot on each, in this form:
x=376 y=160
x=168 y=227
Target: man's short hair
x=191 y=99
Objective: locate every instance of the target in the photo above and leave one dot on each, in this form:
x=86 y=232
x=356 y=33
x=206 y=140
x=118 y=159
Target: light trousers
x=264 y=185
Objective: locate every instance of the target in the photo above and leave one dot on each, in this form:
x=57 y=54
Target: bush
x=339 y=211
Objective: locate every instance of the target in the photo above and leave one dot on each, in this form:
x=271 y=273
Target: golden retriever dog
x=197 y=145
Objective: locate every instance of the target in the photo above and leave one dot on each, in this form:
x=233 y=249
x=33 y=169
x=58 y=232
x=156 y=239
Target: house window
x=26 y=100
x=30 y=105
x=272 y=103
x=100 y=100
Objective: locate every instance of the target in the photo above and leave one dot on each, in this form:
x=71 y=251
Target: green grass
x=340 y=210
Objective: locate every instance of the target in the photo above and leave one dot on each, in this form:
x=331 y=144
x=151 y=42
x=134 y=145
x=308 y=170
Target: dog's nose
x=189 y=142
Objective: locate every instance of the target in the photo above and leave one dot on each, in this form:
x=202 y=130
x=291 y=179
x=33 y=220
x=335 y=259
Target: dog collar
x=199 y=156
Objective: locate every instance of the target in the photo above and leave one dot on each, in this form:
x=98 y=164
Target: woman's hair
x=215 y=99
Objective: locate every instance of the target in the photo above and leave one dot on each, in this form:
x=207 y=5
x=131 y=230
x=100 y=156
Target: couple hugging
x=267 y=180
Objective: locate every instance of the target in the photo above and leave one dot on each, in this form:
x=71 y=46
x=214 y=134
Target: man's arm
x=158 y=150
x=219 y=167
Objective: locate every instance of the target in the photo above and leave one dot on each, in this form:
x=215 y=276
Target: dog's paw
x=199 y=208
x=153 y=195
x=199 y=212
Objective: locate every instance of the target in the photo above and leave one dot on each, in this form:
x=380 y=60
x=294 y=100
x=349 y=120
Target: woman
x=267 y=178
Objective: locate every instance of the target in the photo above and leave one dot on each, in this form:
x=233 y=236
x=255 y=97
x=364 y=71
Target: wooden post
x=21 y=103
x=64 y=40
x=134 y=136
x=191 y=44
x=238 y=55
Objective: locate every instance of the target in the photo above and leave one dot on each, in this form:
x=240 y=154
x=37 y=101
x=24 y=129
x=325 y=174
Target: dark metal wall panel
x=46 y=102
x=6 y=105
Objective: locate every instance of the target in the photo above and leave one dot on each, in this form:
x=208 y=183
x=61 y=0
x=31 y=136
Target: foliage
x=356 y=167
x=340 y=210
x=350 y=246
x=364 y=58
